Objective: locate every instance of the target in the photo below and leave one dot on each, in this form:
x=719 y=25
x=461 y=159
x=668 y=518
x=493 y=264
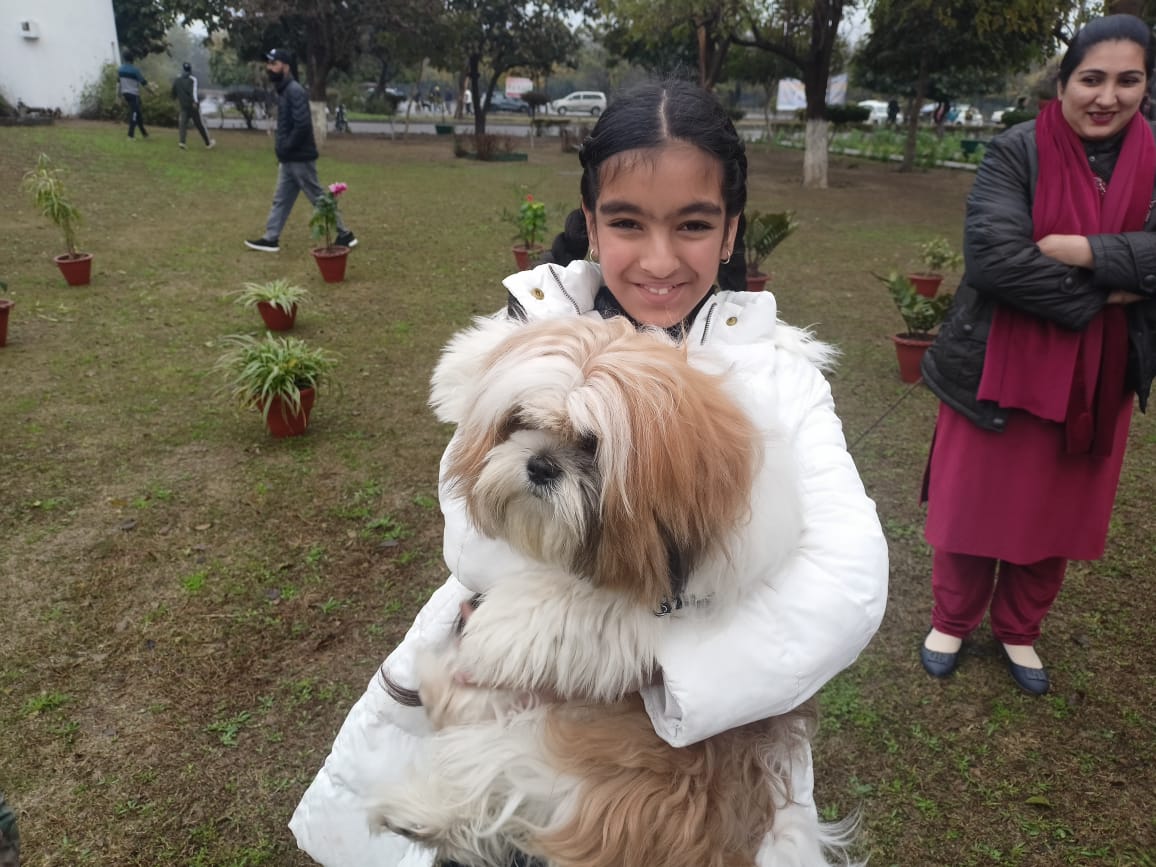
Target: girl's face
x=1105 y=90
x=660 y=230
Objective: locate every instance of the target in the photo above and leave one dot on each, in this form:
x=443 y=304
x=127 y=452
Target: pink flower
x=338 y=188
x=529 y=198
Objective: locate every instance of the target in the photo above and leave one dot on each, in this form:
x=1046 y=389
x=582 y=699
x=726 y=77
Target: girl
x=1052 y=332
x=663 y=187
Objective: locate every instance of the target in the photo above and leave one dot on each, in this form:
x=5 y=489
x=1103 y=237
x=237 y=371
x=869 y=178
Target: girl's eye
x=623 y=224
x=697 y=226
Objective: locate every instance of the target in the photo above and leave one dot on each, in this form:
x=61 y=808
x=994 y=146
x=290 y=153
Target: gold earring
x=593 y=254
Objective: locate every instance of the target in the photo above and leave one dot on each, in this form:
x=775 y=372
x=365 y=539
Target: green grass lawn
x=188 y=607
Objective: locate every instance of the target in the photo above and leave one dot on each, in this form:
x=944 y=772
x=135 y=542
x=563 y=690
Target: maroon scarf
x=1074 y=377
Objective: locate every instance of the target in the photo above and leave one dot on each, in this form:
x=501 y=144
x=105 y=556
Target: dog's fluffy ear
x=456 y=376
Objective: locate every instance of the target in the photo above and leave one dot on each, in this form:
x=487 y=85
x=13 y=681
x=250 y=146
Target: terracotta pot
x=5 y=309
x=77 y=270
x=926 y=285
x=331 y=261
x=527 y=257
x=275 y=318
x=757 y=282
x=283 y=422
x=909 y=351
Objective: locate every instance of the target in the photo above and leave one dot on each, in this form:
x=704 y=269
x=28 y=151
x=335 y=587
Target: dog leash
x=887 y=412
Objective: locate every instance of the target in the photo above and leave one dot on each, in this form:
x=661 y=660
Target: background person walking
x=129 y=81
x=185 y=93
x=296 y=152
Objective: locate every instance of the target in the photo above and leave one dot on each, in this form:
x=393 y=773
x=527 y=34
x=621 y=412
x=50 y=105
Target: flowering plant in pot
x=278 y=375
x=936 y=256
x=276 y=301
x=331 y=257
x=45 y=184
x=764 y=232
x=530 y=221
x=921 y=316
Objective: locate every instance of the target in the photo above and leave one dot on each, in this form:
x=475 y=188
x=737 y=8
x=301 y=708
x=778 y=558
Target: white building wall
x=51 y=49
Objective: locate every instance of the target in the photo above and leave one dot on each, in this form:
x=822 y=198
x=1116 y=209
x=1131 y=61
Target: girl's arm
x=806 y=623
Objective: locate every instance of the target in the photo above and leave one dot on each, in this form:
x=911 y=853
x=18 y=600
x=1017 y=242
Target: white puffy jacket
x=800 y=629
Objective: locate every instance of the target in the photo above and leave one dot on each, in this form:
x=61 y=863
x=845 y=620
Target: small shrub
x=1019 y=115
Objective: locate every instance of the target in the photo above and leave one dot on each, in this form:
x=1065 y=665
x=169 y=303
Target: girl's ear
x=591 y=229
x=731 y=232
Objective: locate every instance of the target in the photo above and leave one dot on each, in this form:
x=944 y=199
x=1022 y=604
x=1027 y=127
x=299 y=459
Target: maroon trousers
x=963 y=585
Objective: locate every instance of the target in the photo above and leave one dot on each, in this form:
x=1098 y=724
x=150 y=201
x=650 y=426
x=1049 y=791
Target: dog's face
x=597 y=448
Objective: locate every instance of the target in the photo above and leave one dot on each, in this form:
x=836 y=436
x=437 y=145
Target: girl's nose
x=659 y=258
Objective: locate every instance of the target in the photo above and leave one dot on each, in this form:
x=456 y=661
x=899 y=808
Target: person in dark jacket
x=296 y=153
x=1052 y=333
x=185 y=93
x=129 y=81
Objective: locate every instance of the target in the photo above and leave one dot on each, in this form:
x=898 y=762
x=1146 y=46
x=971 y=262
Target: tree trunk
x=320 y=122
x=815 y=154
x=913 y=109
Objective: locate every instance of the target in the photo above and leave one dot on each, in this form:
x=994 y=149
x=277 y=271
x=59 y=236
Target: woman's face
x=1105 y=90
x=660 y=230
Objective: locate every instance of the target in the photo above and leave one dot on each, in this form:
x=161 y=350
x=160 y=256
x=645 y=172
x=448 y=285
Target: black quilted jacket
x=1003 y=266
x=294 y=142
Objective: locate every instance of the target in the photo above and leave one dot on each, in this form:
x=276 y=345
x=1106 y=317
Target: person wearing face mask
x=296 y=155
x=1052 y=333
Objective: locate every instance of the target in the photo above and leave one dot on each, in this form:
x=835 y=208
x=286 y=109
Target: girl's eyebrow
x=614 y=208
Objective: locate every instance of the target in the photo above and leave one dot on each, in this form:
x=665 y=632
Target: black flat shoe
x=936 y=662
x=1031 y=680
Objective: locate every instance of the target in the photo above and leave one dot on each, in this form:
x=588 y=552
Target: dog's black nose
x=541 y=470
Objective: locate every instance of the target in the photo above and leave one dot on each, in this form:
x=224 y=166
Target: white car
x=878 y=109
x=591 y=102
x=964 y=115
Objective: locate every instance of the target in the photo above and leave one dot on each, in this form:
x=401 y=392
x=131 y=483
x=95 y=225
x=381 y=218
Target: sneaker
x=345 y=239
x=183 y=146
x=264 y=245
x=212 y=143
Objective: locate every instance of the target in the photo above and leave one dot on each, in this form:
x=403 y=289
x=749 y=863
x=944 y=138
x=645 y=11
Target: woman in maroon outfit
x=1053 y=332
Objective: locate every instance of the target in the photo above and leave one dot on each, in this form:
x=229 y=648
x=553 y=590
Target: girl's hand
x=1122 y=297
x=1072 y=250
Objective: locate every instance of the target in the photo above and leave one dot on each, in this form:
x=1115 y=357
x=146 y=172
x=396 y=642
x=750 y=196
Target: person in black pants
x=129 y=82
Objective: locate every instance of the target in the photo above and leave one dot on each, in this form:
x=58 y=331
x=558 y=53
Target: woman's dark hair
x=647 y=116
x=1110 y=28
x=126 y=56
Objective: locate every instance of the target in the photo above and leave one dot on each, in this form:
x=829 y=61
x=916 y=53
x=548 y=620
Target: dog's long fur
x=602 y=454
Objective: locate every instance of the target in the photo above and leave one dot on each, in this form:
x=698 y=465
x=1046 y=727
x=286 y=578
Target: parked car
x=592 y=102
x=501 y=102
x=878 y=109
x=964 y=115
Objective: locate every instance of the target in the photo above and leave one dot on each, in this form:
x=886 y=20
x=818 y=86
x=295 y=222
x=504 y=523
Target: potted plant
x=278 y=375
x=5 y=309
x=763 y=234
x=331 y=258
x=276 y=301
x=937 y=257
x=921 y=315
x=46 y=185
x=530 y=220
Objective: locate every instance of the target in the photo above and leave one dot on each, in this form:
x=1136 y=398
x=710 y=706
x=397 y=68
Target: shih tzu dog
x=625 y=476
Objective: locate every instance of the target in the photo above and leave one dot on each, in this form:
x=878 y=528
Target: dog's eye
x=588 y=443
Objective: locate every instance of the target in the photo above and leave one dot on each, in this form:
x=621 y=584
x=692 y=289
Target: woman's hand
x=1121 y=297
x=1072 y=250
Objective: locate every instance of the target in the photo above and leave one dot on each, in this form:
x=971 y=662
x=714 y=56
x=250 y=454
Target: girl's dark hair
x=647 y=116
x=1110 y=28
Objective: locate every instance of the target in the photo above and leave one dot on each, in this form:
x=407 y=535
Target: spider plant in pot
x=276 y=301
x=323 y=225
x=45 y=184
x=277 y=375
x=921 y=315
x=764 y=232
x=936 y=256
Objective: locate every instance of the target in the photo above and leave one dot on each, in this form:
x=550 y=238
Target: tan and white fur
x=626 y=473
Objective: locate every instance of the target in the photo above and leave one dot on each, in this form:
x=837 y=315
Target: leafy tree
x=940 y=48
x=805 y=33
x=142 y=25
